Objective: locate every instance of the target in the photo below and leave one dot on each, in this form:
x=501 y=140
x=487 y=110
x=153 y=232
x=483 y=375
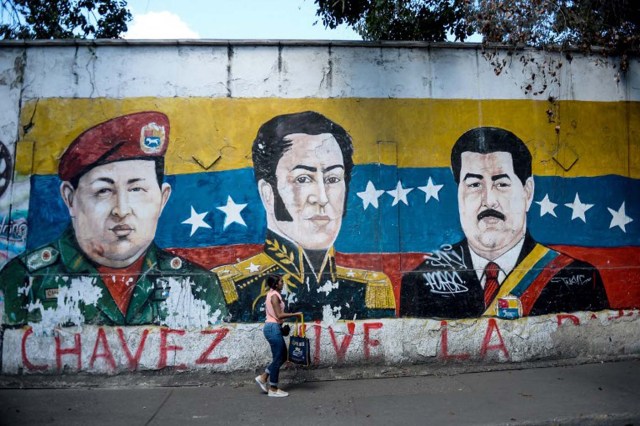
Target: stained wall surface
x=420 y=203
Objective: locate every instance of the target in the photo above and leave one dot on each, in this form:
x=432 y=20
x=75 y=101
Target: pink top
x=271 y=313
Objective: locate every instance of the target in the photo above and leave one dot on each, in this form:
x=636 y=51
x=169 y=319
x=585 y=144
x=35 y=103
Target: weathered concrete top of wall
x=254 y=69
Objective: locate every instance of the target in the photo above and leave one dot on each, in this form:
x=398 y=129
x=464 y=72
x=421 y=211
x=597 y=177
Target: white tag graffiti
x=444 y=282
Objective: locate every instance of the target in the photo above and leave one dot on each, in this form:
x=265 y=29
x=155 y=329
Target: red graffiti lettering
x=106 y=353
x=444 y=344
x=219 y=335
x=133 y=360
x=562 y=317
x=491 y=326
x=316 y=353
x=75 y=350
x=341 y=352
x=618 y=316
x=162 y=362
x=368 y=341
x=25 y=359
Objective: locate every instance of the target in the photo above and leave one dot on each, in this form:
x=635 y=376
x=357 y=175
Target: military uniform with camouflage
x=339 y=291
x=34 y=282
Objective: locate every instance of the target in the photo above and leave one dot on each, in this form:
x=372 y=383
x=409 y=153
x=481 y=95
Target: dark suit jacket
x=446 y=286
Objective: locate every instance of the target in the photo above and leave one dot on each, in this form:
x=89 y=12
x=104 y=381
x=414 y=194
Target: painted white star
x=232 y=212
x=196 y=220
x=619 y=218
x=370 y=196
x=430 y=190
x=579 y=208
x=399 y=194
x=546 y=206
x=253 y=268
x=351 y=274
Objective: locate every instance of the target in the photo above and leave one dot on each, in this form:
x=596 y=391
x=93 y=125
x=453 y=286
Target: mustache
x=491 y=213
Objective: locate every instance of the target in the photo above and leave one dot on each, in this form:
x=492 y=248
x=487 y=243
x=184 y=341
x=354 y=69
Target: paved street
x=602 y=393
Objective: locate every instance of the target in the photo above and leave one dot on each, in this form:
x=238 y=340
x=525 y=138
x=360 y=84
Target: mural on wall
x=148 y=243
x=114 y=241
x=498 y=269
x=105 y=267
x=13 y=215
x=302 y=164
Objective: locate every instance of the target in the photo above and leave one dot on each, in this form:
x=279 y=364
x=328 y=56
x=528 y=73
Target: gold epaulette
x=241 y=274
x=379 y=292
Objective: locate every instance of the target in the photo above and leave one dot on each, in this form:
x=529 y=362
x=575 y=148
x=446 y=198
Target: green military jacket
x=58 y=283
x=347 y=293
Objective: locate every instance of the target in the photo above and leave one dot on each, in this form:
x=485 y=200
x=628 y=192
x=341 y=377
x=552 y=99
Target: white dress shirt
x=506 y=262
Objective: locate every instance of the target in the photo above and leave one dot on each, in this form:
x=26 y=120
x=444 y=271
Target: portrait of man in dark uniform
x=302 y=166
x=498 y=267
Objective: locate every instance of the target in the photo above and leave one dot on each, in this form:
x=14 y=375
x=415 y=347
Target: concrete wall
x=387 y=272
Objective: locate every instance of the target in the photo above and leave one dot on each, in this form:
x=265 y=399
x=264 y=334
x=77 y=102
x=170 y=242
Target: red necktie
x=491 y=283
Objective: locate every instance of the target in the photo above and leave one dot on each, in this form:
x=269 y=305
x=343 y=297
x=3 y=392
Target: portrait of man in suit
x=302 y=166
x=498 y=267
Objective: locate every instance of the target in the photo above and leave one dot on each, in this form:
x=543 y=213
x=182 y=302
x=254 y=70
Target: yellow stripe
x=602 y=136
x=516 y=275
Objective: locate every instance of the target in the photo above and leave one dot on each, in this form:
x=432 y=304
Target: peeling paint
x=328 y=287
x=331 y=314
x=67 y=312
x=183 y=310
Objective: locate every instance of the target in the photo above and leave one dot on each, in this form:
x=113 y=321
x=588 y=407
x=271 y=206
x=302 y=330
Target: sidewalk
x=589 y=394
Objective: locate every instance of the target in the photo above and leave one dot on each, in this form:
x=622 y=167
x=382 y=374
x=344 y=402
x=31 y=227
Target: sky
x=230 y=19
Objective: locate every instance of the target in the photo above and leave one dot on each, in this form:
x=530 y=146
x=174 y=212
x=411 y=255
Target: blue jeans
x=273 y=334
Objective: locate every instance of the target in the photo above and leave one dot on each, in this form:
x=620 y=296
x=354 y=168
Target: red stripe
x=210 y=257
x=490 y=290
x=618 y=266
x=531 y=294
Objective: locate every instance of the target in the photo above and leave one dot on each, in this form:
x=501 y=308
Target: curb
x=292 y=374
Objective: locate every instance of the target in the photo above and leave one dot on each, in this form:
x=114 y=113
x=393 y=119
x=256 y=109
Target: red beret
x=130 y=137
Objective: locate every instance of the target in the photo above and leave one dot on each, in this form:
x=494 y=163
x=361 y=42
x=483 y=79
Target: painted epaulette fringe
x=379 y=291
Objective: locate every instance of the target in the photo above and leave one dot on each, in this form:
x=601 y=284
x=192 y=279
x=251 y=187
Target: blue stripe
x=417 y=227
x=533 y=273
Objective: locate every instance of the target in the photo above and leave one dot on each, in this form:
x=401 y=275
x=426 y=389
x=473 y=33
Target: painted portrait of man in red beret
x=105 y=268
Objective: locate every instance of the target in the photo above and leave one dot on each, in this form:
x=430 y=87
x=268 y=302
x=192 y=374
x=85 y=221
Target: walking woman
x=276 y=315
